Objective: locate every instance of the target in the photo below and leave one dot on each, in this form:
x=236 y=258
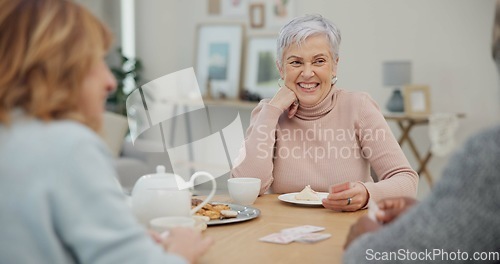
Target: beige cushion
x=115 y=128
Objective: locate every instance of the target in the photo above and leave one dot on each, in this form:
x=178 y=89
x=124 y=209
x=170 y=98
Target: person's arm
x=378 y=145
x=256 y=155
x=461 y=213
x=90 y=214
x=389 y=210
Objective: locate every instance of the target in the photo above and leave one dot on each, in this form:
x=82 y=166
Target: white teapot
x=165 y=194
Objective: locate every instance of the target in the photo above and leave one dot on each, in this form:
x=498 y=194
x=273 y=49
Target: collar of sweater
x=319 y=110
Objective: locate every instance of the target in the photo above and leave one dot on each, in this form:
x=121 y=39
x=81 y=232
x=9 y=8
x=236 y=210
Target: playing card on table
x=340 y=187
x=372 y=210
x=302 y=229
x=280 y=238
x=312 y=237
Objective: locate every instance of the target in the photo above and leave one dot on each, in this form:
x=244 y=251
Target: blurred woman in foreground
x=59 y=199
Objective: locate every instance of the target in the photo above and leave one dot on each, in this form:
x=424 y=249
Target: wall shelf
x=231 y=103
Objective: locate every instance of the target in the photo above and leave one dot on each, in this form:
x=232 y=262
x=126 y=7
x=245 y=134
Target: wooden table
x=239 y=242
x=406 y=123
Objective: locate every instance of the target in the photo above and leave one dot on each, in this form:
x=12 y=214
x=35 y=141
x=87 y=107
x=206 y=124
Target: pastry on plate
x=307 y=194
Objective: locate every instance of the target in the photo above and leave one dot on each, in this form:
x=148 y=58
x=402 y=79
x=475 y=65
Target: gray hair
x=300 y=28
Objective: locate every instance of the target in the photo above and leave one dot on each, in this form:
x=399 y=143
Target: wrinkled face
x=308 y=70
x=96 y=87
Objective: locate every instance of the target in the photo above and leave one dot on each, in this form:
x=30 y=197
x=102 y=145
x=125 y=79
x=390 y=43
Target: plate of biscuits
x=217 y=213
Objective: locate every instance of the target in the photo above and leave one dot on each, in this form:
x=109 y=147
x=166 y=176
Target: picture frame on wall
x=213 y=7
x=257 y=15
x=279 y=12
x=417 y=100
x=261 y=73
x=218 y=59
x=234 y=8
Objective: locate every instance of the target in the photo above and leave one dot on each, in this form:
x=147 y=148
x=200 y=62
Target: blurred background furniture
x=406 y=123
x=395 y=75
x=130 y=164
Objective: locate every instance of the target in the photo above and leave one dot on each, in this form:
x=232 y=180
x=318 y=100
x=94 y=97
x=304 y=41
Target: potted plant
x=128 y=70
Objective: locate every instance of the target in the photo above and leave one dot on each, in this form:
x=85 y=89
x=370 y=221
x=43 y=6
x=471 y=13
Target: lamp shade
x=396 y=73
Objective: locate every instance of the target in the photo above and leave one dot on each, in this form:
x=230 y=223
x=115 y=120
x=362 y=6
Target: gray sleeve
x=460 y=215
x=92 y=218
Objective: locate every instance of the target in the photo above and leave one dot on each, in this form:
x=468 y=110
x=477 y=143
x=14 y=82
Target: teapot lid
x=160 y=169
x=171 y=180
x=161 y=180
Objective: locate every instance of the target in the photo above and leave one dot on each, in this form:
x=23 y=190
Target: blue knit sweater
x=60 y=201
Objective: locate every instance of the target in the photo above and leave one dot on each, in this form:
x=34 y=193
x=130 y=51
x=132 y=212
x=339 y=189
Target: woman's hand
x=155 y=236
x=286 y=99
x=187 y=243
x=392 y=208
x=339 y=201
x=362 y=226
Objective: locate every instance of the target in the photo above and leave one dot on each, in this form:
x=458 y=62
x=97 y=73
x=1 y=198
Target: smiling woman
x=308 y=102
x=308 y=70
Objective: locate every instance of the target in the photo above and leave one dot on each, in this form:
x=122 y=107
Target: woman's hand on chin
x=286 y=99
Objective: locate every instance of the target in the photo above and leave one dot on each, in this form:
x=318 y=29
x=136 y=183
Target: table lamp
x=396 y=74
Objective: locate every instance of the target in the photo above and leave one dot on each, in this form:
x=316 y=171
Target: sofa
x=130 y=164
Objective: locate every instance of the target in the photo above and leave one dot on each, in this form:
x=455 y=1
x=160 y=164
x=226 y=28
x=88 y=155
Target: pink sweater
x=333 y=142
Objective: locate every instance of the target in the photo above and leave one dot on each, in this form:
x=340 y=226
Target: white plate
x=245 y=213
x=290 y=198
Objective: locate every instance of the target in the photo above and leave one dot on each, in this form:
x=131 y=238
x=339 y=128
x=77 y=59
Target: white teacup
x=243 y=191
x=162 y=224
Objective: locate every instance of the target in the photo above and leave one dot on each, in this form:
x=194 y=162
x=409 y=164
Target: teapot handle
x=212 y=193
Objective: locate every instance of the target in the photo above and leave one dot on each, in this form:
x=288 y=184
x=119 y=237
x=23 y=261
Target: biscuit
x=213 y=211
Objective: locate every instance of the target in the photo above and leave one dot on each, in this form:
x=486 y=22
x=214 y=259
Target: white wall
x=109 y=12
x=448 y=42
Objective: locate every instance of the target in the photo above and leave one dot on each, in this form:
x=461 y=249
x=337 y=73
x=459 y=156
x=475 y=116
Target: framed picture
x=234 y=8
x=213 y=7
x=279 y=12
x=417 y=100
x=218 y=59
x=261 y=73
x=257 y=15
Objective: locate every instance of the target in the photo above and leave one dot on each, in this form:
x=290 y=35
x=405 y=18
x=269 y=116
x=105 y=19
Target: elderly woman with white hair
x=313 y=133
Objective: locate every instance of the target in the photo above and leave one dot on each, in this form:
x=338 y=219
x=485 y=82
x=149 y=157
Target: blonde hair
x=47 y=48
